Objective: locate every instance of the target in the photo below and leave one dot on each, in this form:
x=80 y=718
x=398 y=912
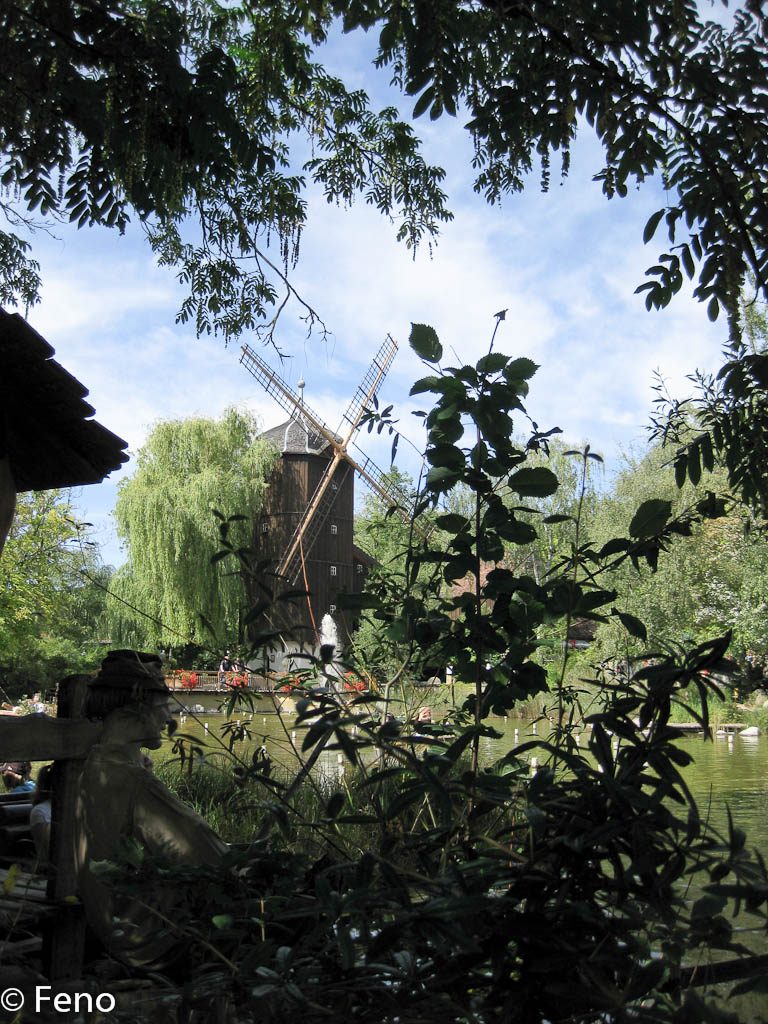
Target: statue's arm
x=167 y=826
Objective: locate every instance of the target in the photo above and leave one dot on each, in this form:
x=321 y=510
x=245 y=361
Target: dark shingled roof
x=46 y=429
x=295 y=437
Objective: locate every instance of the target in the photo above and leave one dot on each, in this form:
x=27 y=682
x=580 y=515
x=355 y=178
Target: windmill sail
x=371 y=382
x=283 y=394
x=330 y=485
x=378 y=481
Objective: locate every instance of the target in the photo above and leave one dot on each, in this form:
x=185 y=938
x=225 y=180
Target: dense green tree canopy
x=708 y=582
x=190 y=475
x=51 y=605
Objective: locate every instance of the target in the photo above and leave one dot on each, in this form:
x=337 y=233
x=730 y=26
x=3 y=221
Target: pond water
x=729 y=771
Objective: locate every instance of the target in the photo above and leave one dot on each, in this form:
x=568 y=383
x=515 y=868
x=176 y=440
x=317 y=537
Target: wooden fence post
x=64 y=936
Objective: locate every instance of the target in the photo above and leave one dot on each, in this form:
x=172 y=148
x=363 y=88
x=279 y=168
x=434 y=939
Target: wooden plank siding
x=290 y=491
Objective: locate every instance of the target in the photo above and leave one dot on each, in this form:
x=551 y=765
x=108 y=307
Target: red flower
x=188 y=679
x=236 y=682
x=352 y=684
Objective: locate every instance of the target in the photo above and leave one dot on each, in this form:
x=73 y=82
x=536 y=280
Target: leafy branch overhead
x=666 y=92
x=185 y=117
x=191 y=118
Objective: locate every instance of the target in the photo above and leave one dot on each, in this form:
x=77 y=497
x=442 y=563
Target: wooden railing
x=203 y=680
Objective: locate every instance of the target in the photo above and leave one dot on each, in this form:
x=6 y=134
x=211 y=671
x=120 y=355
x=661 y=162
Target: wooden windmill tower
x=306 y=528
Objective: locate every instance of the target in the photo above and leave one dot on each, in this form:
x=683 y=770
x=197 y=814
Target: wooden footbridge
x=204 y=681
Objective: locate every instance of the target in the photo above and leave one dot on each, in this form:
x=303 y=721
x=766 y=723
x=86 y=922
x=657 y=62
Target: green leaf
x=707 y=452
x=452 y=522
x=425 y=343
x=613 y=547
x=423 y=102
x=537 y=482
x=653 y=223
x=694 y=464
x=492 y=363
x=441 y=478
x=631 y=623
x=592 y=599
x=517 y=532
x=520 y=369
x=650 y=518
x=425 y=384
x=681 y=469
x=446 y=455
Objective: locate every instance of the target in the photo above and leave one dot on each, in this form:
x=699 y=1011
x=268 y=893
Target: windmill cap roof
x=295 y=437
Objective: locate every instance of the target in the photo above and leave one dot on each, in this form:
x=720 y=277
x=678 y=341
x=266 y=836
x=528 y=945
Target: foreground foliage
x=484 y=896
x=431 y=888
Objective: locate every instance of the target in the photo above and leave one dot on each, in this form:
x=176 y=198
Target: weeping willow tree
x=187 y=472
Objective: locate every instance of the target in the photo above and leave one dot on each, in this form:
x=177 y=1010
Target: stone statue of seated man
x=120 y=800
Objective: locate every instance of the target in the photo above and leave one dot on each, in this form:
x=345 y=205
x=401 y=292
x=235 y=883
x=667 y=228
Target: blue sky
x=564 y=264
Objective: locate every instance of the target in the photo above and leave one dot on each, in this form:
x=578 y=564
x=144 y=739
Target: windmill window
x=334 y=529
x=333 y=571
x=265 y=527
x=332 y=609
x=359 y=568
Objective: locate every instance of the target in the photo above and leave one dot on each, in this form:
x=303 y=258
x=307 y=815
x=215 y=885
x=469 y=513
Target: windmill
x=316 y=485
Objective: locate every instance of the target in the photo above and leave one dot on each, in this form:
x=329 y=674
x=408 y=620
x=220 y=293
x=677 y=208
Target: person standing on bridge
x=224 y=667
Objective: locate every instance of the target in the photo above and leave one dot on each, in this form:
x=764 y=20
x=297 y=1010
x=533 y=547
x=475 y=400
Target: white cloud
x=564 y=265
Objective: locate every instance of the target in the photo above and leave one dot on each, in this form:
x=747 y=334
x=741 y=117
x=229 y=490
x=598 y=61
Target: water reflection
x=727 y=771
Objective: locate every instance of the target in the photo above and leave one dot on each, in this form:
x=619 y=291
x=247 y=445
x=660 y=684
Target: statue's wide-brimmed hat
x=131 y=670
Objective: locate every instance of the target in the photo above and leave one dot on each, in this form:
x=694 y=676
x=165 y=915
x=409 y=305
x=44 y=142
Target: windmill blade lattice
x=371 y=382
x=282 y=392
x=377 y=479
x=321 y=503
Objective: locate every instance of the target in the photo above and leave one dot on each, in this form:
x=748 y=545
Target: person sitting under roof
x=16 y=777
